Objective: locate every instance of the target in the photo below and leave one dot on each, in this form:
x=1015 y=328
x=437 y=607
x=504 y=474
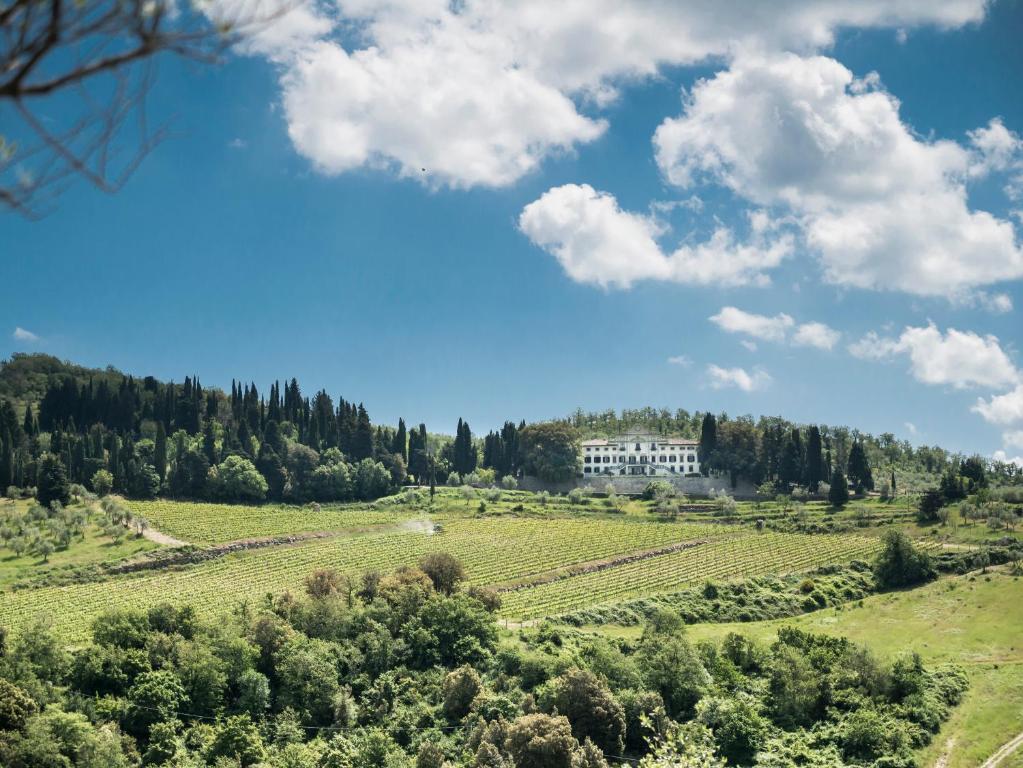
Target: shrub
x=900 y=564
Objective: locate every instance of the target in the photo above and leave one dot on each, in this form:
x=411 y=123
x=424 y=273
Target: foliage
x=900 y=564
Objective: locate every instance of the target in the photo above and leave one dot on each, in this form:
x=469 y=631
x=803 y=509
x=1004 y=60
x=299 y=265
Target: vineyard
x=206 y=523
x=494 y=551
x=744 y=555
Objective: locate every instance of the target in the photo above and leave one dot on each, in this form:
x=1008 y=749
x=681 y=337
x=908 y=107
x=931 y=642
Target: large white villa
x=637 y=453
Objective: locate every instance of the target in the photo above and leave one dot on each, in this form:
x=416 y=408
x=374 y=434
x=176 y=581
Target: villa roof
x=600 y=441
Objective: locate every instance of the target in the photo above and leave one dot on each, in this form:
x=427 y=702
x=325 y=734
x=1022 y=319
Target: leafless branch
x=94 y=57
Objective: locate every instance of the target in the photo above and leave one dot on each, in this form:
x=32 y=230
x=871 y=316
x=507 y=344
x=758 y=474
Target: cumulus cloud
x=479 y=92
x=1002 y=409
x=882 y=208
x=816 y=335
x=996 y=148
x=598 y=243
x=780 y=328
x=1013 y=439
x=734 y=320
x=680 y=360
x=739 y=378
x=1004 y=457
x=959 y=359
x=20 y=334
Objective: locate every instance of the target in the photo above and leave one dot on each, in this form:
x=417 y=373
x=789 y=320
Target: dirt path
x=162 y=538
x=1004 y=751
x=942 y=761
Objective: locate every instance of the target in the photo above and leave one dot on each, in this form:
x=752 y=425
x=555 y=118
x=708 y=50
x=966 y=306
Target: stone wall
x=633 y=485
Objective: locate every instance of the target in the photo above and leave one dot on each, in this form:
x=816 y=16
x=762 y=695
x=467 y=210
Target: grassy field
x=972 y=620
x=207 y=523
x=93 y=549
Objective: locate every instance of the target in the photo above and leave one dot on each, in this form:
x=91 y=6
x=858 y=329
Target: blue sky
x=286 y=229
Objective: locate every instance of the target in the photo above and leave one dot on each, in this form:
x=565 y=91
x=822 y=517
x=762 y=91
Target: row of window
x=665 y=459
x=639 y=447
x=634 y=470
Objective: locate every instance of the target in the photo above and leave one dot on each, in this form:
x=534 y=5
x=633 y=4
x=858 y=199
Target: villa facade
x=637 y=453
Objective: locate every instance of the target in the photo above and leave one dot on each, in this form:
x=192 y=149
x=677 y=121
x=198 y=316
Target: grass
x=970 y=620
x=208 y=523
x=93 y=549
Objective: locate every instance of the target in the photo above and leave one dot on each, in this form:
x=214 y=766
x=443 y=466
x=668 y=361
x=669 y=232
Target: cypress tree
x=362 y=443
x=859 y=469
x=838 y=494
x=814 y=472
x=160 y=452
x=400 y=444
x=708 y=442
x=52 y=484
x=209 y=443
x=6 y=461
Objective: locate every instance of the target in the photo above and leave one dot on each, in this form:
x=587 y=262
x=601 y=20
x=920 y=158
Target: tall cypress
x=814 y=472
x=6 y=460
x=400 y=444
x=160 y=452
x=708 y=442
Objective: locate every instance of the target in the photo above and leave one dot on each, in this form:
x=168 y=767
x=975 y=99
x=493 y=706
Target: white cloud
x=910 y=427
x=20 y=334
x=960 y=359
x=779 y=328
x=750 y=345
x=816 y=335
x=1013 y=439
x=479 y=92
x=680 y=360
x=596 y=242
x=997 y=149
x=880 y=207
x=1002 y=409
x=734 y=320
x=721 y=378
x=1004 y=457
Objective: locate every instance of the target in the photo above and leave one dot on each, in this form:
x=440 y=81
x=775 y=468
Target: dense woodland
x=141 y=437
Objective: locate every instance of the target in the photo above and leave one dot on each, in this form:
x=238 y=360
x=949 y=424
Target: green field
x=207 y=523
x=974 y=620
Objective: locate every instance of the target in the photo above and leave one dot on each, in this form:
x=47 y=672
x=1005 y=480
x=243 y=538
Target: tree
x=52 y=484
x=102 y=482
x=590 y=707
x=237 y=479
x=815 y=471
x=238 y=737
x=445 y=571
x=859 y=469
x=738 y=727
x=929 y=507
x=838 y=493
x=400 y=443
x=160 y=452
x=900 y=564
x=550 y=450
x=93 y=56
x=460 y=687
x=708 y=442
x=541 y=741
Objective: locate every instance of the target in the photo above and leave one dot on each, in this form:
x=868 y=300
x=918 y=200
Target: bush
x=509 y=483
x=900 y=564
x=838 y=490
x=929 y=508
